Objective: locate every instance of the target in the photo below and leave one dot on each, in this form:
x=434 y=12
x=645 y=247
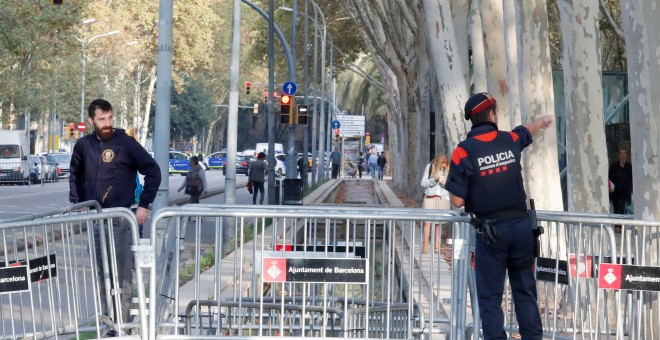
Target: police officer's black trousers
x=513 y=251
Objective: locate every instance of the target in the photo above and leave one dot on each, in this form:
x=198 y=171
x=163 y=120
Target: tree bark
x=460 y=13
x=477 y=44
x=448 y=67
x=147 y=107
x=537 y=100
x=586 y=155
x=512 y=52
x=641 y=26
x=492 y=24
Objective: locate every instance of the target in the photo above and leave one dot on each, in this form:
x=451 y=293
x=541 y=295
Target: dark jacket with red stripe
x=485 y=169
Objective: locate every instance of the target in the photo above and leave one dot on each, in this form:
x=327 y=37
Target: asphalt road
x=17 y=200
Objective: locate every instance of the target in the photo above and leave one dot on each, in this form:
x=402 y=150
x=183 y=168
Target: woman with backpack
x=195 y=182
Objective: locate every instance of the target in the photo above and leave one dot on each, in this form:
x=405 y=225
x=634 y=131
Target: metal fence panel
x=62 y=295
x=571 y=302
x=15 y=172
x=200 y=291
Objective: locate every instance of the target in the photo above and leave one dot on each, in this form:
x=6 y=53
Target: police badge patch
x=108 y=155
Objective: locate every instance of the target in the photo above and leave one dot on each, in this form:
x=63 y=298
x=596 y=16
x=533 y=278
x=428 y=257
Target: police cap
x=478 y=103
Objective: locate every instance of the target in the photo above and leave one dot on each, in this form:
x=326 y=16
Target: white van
x=263 y=147
x=14 y=151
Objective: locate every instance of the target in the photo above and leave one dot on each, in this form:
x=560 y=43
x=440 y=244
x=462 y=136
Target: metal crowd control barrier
x=15 y=172
x=572 y=300
x=48 y=274
x=310 y=271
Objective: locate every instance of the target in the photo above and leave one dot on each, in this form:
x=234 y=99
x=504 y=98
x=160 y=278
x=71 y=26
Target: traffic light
x=68 y=132
x=301 y=114
x=266 y=96
x=247 y=87
x=58 y=2
x=286 y=116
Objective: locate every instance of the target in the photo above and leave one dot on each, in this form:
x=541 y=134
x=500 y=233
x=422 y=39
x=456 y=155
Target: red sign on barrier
x=274 y=269
x=628 y=277
x=609 y=276
x=287 y=247
x=581 y=265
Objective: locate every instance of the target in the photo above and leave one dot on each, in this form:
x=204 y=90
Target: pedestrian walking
x=620 y=175
x=335 y=159
x=302 y=169
x=360 y=164
x=435 y=196
x=103 y=167
x=485 y=177
x=381 y=165
x=257 y=175
x=372 y=163
x=195 y=182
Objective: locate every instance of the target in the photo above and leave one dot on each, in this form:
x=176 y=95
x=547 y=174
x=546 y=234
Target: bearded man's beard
x=104 y=133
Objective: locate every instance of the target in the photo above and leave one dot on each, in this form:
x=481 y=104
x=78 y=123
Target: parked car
x=217 y=160
x=179 y=163
x=248 y=153
x=37 y=169
x=242 y=166
x=280 y=165
x=53 y=168
x=64 y=160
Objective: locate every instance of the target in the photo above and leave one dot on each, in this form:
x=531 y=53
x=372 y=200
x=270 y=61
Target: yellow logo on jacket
x=107 y=155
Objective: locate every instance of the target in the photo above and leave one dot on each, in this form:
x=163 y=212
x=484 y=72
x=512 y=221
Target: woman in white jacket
x=435 y=195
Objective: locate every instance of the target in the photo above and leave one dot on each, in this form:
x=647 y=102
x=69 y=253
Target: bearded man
x=104 y=165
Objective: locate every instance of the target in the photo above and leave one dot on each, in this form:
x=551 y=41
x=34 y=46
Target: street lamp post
x=84 y=67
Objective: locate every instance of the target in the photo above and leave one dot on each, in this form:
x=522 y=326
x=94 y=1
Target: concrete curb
x=390 y=197
x=320 y=194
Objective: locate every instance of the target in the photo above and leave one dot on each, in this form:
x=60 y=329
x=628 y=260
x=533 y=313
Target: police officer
x=485 y=177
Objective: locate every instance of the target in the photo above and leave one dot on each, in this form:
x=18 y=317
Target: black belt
x=505 y=215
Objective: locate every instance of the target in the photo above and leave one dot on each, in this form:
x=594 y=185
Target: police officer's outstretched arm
x=538 y=124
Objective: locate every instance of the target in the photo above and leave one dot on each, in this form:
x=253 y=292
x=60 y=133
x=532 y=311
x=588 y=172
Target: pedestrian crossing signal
x=301 y=114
